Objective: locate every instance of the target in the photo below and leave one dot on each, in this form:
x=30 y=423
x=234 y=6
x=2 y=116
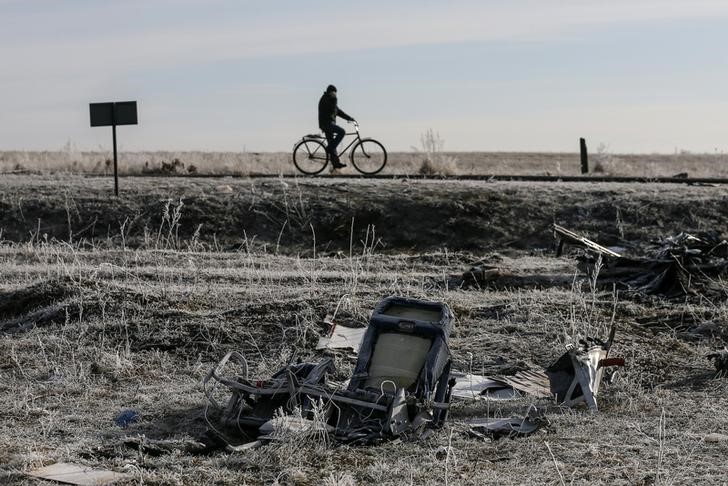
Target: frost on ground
x=91 y=329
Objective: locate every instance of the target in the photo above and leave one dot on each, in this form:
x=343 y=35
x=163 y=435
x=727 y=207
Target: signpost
x=112 y=114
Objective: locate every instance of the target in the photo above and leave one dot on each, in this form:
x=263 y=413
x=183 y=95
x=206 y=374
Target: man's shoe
x=339 y=165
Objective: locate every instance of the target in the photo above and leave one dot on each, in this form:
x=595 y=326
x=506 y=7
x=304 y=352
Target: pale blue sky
x=523 y=75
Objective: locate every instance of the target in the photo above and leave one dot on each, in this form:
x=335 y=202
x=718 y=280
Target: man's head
x=331 y=90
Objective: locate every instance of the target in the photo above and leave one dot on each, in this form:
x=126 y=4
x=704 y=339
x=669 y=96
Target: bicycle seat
x=314 y=136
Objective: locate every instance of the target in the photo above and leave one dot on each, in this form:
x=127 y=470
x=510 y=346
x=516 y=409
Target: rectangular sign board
x=115 y=113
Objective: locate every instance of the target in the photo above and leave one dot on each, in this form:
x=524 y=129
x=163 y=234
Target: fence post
x=584 y=156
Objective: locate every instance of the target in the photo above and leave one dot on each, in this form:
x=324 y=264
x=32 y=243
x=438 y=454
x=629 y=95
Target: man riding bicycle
x=327 y=113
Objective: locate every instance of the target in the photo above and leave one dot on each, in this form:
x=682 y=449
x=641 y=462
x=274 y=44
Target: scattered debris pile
x=400 y=386
x=571 y=380
x=720 y=360
x=676 y=267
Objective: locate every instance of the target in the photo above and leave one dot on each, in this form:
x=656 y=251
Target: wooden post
x=584 y=156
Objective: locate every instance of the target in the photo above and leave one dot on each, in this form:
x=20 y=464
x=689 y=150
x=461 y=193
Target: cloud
x=53 y=63
x=318 y=32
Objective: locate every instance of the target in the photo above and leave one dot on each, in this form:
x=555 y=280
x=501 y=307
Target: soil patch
x=294 y=215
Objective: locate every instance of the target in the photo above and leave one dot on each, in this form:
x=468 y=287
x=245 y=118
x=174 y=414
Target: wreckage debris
x=341 y=337
x=158 y=447
x=400 y=386
x=476 y=387
x=76 y=474
x=509 y=427
x=126 y=418
x=571 y=380
x=569 y=237
x=720 y=361
x=678 y=266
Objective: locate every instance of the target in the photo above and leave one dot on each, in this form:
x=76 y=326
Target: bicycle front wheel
x=368 y=156
x=310 y=156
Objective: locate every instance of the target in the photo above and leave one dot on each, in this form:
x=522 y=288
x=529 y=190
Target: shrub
x=435 y=162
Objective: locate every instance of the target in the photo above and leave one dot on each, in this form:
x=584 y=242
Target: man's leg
x=334 y=135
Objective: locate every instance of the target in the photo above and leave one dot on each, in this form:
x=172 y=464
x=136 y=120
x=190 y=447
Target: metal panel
x=102 y=114
x=116 y=113
x=125 y=112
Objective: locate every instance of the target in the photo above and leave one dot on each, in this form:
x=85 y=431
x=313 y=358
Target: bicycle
x=368 y=156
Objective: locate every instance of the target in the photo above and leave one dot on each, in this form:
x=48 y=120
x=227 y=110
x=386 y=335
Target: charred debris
x=402 y=385
x=676 y=267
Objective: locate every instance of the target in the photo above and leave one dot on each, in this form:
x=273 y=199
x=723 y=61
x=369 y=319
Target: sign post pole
x=113 y=136
x=112 y=114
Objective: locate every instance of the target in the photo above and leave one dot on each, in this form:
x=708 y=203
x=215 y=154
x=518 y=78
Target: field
x=113 y=304
x=602 y=162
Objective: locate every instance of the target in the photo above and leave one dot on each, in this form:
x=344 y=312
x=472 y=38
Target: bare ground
x=94 y=323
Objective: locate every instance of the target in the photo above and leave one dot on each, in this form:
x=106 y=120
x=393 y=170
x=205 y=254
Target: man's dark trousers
x=334 y=134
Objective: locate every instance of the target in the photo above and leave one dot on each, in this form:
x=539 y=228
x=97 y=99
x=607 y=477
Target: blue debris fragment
x=126 y=418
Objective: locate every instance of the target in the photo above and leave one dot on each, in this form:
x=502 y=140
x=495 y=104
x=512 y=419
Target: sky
x=638 y=76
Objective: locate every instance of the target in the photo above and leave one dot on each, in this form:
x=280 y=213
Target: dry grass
x=431 y=161
x=154 y=321
x=138 y=326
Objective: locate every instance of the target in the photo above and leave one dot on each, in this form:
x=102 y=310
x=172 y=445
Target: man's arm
x=343 y=115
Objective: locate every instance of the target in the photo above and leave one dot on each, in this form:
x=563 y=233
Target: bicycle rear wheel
x=310 y=156
x=368 y=156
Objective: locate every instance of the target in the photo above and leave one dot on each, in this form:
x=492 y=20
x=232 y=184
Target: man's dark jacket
x=328 y=110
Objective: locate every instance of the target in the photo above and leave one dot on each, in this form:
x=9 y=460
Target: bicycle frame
x=313 y=152
x=352 y=143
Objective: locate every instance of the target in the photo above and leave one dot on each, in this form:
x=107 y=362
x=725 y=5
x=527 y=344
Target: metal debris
x=573 y=379
x=341 y=337
x=75 y=474
x=400 y=386
x=677 y=266
x=253 y=403
x=720 y=361
x=569 y=237
x=509 y=427
x=291 y=424
x=476 y=387
x=126 y=418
